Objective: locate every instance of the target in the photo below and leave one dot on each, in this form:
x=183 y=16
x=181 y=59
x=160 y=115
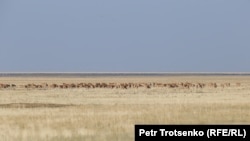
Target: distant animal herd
x=187 y=85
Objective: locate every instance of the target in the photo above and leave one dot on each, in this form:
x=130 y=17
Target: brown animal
x=222 y=85
x=238 y=84
x=54 y=86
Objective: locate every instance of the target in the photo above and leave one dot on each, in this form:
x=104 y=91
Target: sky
x=124 y=36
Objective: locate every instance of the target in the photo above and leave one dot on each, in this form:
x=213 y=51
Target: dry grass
x=110 y=114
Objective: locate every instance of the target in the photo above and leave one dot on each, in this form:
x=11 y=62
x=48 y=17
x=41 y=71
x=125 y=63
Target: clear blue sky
x=124 y=36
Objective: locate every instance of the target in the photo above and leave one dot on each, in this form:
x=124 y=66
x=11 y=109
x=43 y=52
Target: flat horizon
x=111 y=74
x=135 y=72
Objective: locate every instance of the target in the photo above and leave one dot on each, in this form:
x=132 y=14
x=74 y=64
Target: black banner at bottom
x=192 y=132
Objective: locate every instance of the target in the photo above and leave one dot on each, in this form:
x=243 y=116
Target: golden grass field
x=110 y=114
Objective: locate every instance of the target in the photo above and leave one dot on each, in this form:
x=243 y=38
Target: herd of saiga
x=117 y=85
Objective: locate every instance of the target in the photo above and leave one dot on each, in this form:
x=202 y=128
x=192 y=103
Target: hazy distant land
x=87 y=74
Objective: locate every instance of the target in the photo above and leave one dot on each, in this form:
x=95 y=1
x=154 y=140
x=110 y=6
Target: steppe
x=109 y=114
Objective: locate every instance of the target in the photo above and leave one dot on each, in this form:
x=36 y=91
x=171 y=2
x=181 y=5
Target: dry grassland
x=110 y=114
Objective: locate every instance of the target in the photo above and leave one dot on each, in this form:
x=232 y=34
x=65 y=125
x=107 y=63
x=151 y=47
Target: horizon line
x=125 y=72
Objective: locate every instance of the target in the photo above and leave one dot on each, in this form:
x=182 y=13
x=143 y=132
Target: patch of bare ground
x=34 y=105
